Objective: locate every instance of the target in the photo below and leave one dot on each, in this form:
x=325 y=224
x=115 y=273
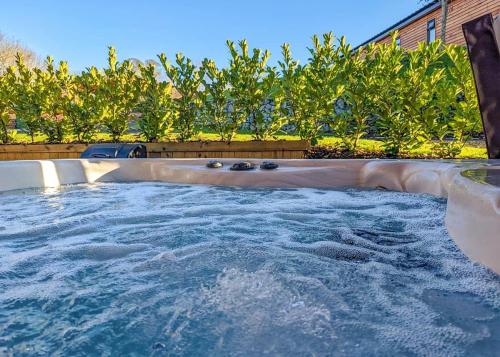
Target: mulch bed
x=336 y=153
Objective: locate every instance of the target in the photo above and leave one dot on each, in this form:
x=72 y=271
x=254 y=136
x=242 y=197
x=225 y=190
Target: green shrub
x=350 y=121
x=296 y=106
x=396 y=90
x=117 y=95
x=455 y=117
x=254 y=91
x=6 y=97
x=83 y=105
x=27 y=102
x=334 y=74
x=409 y=98
x=155 y=105
x=187 y=80
x=218 y=113
x=324 y=81
x=52 y=86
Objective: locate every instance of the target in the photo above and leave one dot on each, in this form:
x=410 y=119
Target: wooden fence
x=200 y=149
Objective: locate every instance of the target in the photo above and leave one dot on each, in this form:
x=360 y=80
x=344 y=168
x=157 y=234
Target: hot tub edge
x=473 y=210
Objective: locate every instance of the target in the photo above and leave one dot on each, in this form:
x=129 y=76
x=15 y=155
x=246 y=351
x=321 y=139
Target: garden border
x=279 y=149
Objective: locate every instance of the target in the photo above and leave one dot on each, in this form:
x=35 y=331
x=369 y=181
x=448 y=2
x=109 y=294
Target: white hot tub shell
x=473 y=210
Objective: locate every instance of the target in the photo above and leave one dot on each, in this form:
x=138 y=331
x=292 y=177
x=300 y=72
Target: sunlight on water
x=160 y=269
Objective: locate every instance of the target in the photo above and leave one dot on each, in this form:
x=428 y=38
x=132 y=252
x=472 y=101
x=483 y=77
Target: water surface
x=161 y=269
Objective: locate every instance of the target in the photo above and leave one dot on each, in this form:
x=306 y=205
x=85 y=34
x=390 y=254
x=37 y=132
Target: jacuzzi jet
x=243 y=166
x=268 y=165
x=214 y=164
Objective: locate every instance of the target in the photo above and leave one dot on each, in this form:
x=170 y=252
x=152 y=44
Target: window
x=431 y=31
x=398 y=41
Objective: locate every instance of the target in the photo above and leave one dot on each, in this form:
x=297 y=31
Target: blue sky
x=80 y=31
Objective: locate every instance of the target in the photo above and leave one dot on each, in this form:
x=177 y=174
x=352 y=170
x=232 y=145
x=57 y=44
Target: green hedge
x=410 y=98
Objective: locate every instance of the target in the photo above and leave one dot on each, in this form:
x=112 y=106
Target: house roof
x=404 y=22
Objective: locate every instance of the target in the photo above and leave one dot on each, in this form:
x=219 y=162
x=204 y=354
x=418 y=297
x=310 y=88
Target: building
x=424 y=25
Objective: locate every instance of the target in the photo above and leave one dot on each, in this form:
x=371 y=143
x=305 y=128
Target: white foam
x=342 y=272
x=257 y=299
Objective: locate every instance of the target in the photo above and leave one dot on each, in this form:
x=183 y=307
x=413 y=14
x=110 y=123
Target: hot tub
x=318 y=257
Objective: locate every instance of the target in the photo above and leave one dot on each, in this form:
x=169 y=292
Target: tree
x=8 y=51
x=444 y=16
x=137 y=64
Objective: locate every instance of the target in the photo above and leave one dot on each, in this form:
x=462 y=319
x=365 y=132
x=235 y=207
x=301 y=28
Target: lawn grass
x=474 y=150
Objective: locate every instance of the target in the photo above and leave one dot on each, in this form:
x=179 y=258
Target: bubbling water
x=163 y=269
